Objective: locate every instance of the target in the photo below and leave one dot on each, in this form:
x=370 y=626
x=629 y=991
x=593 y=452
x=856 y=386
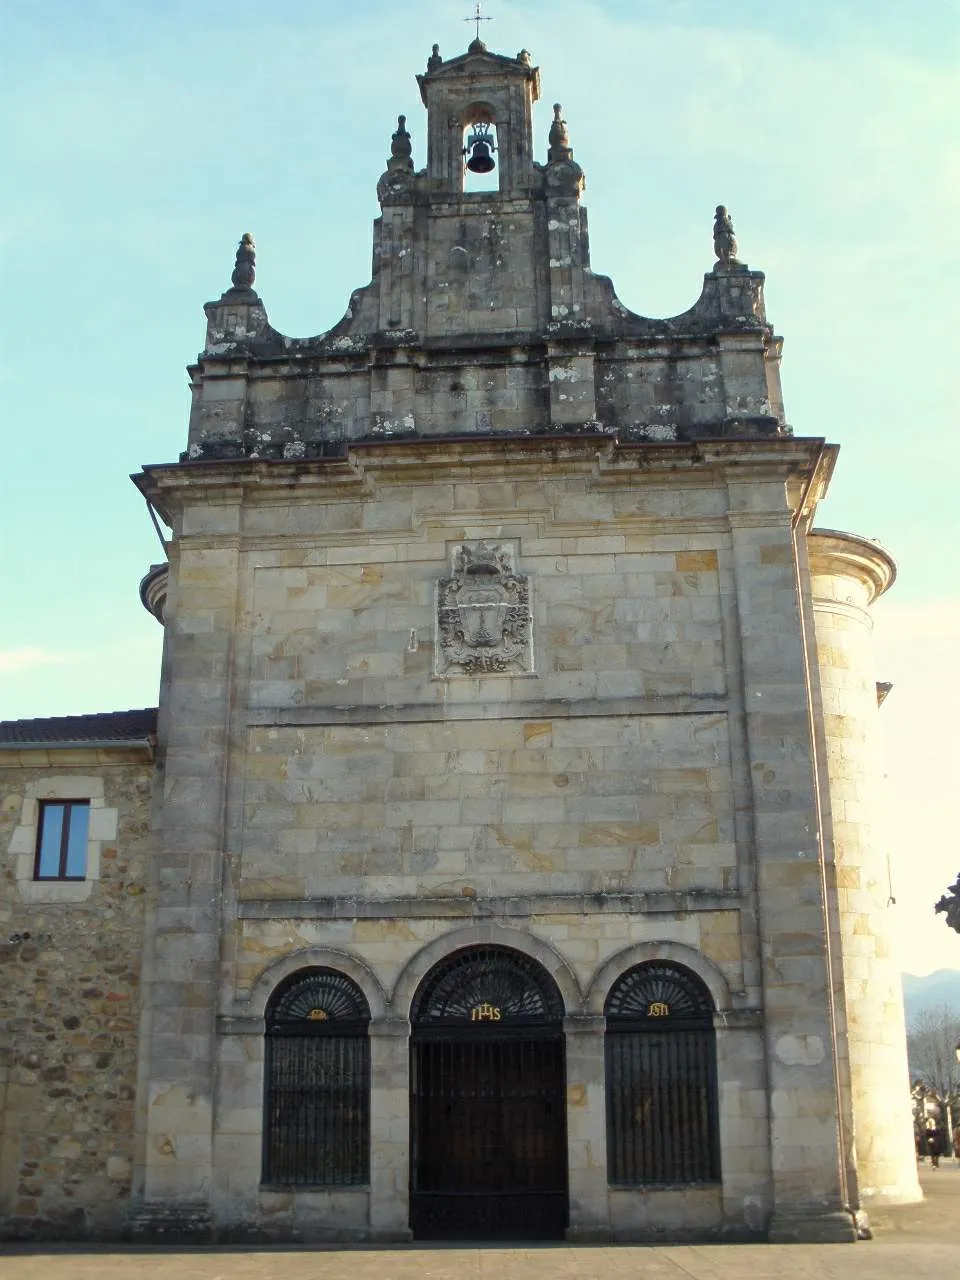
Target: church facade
x=501 y=862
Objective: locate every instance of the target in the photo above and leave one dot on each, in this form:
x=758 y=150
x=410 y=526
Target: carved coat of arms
x=483 y=614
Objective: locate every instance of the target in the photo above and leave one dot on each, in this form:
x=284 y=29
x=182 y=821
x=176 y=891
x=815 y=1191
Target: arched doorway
x=488 y=1102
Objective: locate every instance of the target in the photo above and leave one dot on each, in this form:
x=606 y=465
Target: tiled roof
x=109 y=727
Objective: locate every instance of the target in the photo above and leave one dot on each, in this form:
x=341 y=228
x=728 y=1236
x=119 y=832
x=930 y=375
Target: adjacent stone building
x=512 y=870
x=71 y=941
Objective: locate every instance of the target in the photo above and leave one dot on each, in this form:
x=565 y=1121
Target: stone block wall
x=505 y=807
x=70 y=958
x=479 y=267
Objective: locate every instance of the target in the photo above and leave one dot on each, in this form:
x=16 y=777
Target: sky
x=143 y=137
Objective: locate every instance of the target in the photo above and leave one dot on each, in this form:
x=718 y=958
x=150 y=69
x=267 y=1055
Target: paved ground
x=913 y=1243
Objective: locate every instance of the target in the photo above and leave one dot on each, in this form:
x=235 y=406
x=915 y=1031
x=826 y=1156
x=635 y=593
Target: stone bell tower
x=480 y=88
x=501 y=261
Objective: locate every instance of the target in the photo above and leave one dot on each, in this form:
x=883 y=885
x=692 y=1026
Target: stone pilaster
x=392 y=395
x=390 y=1129
x=396 y=267
x=809 y=1200
x=568 y=258
x=180 y=993
x=586 y=1128
x=745 y=1155
x=572 y=385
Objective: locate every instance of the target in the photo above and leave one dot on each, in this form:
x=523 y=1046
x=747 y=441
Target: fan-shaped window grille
x=319 y=1000
x=488 y=985
x=659 y=991
x=661 y=1077
x=317 y=1083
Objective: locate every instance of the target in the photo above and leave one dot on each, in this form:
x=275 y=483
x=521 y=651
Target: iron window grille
x=62 y=831
x=317 y=1083
x=661 y=1079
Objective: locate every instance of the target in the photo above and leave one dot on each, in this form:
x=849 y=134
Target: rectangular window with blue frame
x=62 y=840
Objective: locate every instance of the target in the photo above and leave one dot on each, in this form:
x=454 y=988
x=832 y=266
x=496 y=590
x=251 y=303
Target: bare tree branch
x=932 y=1051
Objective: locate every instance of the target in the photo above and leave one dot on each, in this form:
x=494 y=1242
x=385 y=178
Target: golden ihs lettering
x=484 y=1013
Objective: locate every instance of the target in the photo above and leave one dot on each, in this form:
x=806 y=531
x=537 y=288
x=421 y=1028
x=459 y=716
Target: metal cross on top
x=478 y=17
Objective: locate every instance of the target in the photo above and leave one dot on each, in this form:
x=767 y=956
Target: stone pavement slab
x=705 y=1262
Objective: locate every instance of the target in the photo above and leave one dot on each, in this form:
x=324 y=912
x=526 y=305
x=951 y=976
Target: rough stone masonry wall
x=69 y=1009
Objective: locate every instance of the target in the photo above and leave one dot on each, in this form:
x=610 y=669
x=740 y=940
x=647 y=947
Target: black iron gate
x=488 y=1116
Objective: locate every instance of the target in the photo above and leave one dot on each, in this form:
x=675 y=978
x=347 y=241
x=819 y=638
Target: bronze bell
x=480 y=149
x=481 y=161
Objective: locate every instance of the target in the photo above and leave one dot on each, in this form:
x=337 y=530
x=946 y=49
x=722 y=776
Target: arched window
x=661 y=1077
x=481 y=155
x=317 y=1083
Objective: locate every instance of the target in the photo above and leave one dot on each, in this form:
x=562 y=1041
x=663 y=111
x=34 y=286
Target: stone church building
x=501 y=861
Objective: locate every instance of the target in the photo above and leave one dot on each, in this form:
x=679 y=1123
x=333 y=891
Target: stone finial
x=523 y=57
x=950 y=905
x=560 y=148
x=476 y=46
x=399 y=180
x=724 y=241
x=558 y=130
x=401 y=148
x=434 y=61
x=244 y=273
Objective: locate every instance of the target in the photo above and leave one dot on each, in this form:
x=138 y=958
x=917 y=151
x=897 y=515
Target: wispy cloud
x=13 y=661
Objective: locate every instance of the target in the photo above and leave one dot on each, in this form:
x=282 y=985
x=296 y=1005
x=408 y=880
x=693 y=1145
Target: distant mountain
x=932 y=992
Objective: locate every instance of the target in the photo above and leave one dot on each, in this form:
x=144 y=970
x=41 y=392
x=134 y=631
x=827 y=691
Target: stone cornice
x=444 y=908
x=605 y=459
x=707 y=704
x=478 y=62
x=835 y=552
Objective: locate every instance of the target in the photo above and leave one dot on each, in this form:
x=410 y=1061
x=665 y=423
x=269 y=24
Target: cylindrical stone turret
x=847 y=575
x=153 y=591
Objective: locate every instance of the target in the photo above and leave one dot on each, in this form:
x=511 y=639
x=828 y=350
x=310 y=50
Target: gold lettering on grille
x=318 y=1015
x=484 y=1013
x=658 y=1010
